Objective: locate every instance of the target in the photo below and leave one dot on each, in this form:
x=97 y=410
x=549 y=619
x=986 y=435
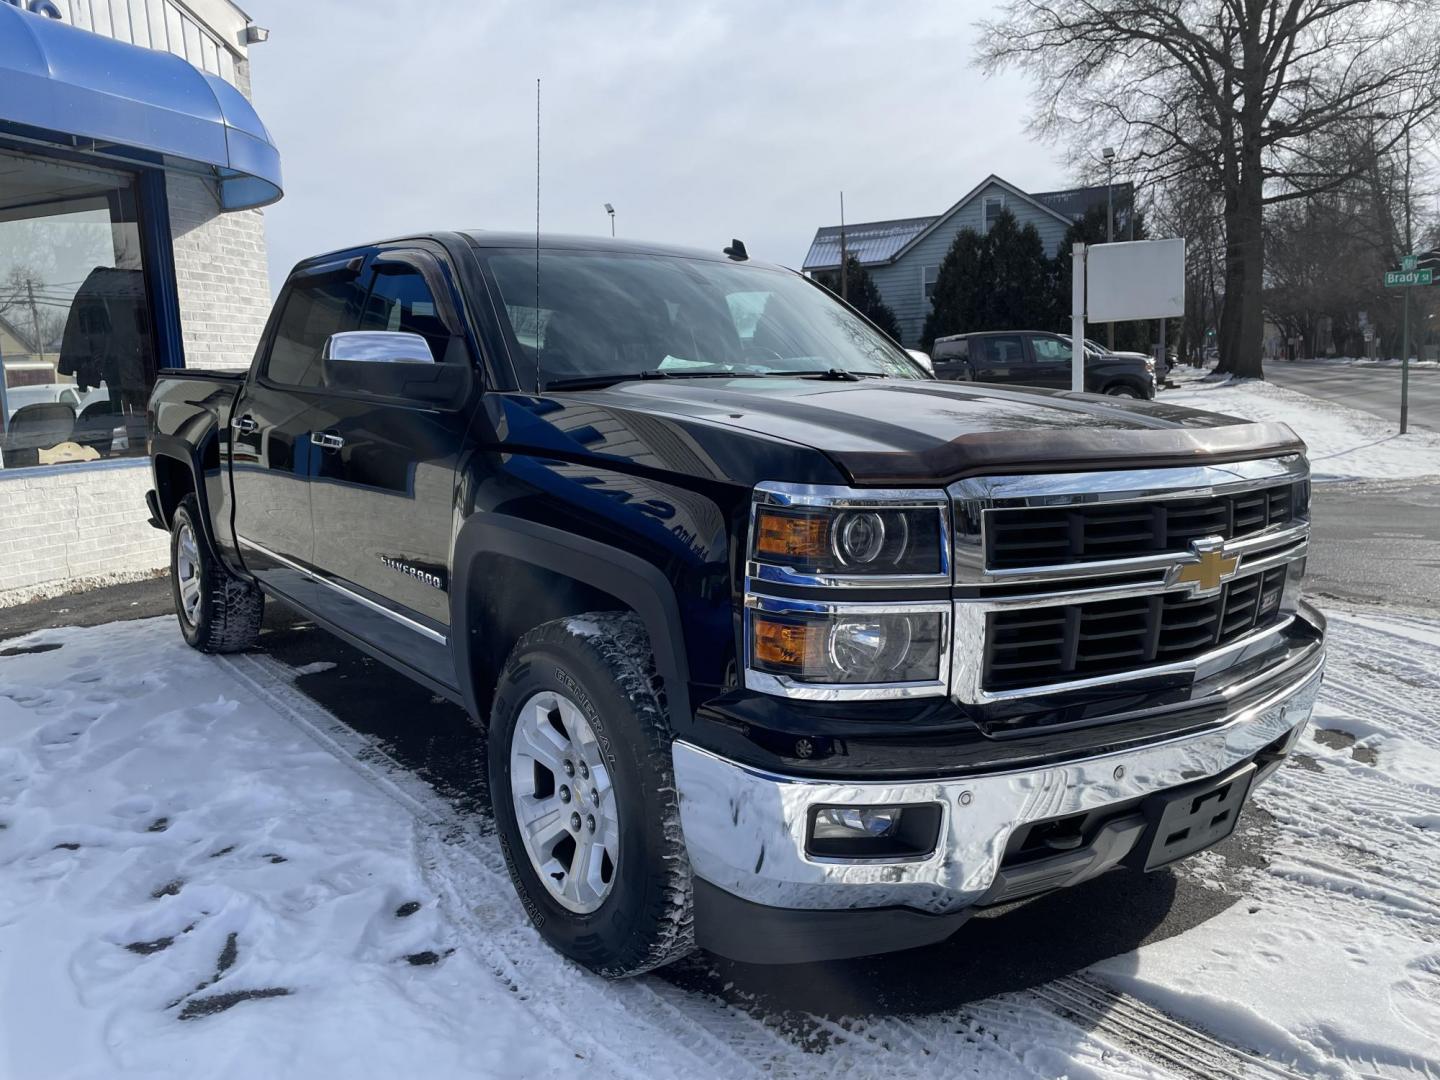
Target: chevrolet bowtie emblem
x=1211 y=568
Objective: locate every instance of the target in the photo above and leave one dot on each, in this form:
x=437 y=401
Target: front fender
x=628 y=578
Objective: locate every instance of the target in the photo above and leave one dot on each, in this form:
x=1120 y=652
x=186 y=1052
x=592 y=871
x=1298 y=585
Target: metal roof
x=875 y=242
x=869 y=241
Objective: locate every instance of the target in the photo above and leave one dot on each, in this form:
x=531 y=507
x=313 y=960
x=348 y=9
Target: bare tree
x=1239 y=95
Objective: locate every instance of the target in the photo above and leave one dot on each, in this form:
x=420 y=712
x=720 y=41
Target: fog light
x=874 y=832
x=852 y=822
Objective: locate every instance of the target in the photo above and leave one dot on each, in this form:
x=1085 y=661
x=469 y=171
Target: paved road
x=1370 y=388
x=1376 y=544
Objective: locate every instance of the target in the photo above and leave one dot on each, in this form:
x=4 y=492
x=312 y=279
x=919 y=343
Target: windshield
x=605 y=314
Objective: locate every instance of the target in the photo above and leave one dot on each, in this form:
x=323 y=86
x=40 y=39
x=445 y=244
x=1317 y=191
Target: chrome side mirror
x=923 y=359
x=378 y=347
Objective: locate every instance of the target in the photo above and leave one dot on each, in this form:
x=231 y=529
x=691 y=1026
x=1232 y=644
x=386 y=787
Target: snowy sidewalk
x=204 y=874
x=1345 y=444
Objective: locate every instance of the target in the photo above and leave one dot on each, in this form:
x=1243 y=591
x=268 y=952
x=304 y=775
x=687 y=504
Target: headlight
x=848 y=646
x=850 y=540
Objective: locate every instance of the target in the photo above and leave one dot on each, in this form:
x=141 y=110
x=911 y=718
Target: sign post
x=1410 y=275
x=1077 y=320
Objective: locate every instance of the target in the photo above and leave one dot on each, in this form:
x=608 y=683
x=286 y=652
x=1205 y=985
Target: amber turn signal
x=783 y=644
x=793 y=536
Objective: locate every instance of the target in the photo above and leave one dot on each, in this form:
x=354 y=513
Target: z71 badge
x=435 y=579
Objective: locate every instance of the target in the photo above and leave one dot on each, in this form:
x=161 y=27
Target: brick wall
x=68 y=526
x=221 y=273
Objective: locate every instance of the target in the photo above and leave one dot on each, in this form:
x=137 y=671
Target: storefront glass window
x=77 y=342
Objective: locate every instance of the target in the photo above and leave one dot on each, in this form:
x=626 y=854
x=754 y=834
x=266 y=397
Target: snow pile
x=1345 y=444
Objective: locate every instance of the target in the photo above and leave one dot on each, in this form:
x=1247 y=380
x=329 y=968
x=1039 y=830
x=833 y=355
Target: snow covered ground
x=202 y=873
x=1345 y=444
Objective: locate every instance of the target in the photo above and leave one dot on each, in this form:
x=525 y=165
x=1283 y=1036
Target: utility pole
x=844 y=255
x=35 y=317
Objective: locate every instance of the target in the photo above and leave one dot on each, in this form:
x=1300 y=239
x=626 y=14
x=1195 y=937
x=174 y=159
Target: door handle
x=246 y=425
x=327 y=441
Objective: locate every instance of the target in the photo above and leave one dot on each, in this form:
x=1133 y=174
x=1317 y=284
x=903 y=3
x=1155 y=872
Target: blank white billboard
x=1139 y=279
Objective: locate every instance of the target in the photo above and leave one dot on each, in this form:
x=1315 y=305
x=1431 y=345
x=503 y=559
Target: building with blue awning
x=133 y=173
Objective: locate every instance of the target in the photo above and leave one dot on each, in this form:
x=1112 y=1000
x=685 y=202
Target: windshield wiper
x=831 y=374
x=595 y=382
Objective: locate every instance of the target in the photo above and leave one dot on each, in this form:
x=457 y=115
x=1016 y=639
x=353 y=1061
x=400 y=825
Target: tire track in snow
x=1186 y=1051
x=468 y=871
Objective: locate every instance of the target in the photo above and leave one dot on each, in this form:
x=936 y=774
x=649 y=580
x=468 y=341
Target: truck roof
x=487 y=238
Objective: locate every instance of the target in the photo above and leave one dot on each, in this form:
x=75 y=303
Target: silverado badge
x=434 y=577
x=1207 y=568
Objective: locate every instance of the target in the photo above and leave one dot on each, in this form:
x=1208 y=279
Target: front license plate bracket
x=1193 y=818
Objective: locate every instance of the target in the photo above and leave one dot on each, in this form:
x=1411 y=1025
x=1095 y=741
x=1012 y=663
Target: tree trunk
x=1229 y=332
x=1245 y=259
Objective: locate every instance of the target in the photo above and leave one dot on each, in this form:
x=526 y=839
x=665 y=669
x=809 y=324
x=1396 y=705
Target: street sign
x=1409 y=262
x=1404 y=279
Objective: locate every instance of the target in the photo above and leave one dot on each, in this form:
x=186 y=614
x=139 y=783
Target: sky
x=699 y=121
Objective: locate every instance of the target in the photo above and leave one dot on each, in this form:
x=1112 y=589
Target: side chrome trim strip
x=364 y=601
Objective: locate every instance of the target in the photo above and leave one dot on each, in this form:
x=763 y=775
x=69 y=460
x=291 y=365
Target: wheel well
x=512 y=597
x=173 y=481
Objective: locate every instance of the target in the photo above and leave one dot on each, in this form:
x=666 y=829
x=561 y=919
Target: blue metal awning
x=68 y=81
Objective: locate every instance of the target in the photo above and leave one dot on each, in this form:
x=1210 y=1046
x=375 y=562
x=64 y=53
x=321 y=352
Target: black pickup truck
x=782 y=647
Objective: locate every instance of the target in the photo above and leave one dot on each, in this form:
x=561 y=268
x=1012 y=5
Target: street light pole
x=611 y=211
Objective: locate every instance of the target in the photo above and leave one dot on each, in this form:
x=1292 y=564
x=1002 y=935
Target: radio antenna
x=538 y=338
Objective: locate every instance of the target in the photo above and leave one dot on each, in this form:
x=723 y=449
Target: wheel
x=967 y=373
x=218 y=611
x=584 y=795
x=1122 y=390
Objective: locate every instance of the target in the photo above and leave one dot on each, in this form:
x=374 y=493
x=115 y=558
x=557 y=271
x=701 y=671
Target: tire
x=1122 y=390
x=591 y=672
x=218 y=612
x=967 y=374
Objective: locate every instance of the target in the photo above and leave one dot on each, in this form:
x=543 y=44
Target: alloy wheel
x=565 y=802
x=187 y=573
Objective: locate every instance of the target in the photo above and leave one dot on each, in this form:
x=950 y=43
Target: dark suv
x=1034 y=358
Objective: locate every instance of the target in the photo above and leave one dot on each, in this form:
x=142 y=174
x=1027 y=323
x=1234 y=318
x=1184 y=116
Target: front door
x=1050 y=358
x=383 y=500
x=273 y=459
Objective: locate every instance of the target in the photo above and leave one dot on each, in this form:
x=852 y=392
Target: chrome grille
x=1026 y=537
x=1035 y=646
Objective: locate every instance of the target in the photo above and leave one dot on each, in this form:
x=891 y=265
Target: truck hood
x=907 y=431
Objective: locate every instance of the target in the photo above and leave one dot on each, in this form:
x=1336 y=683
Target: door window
x=315 y=308
x=1006 y=351
x=1049 y=350
x=400 y=300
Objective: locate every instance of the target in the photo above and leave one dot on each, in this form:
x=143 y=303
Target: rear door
x=272 y=457
x=384 y=494
x=998 y=358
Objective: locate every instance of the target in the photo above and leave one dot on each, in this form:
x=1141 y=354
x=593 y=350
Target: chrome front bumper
x=745 y=829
